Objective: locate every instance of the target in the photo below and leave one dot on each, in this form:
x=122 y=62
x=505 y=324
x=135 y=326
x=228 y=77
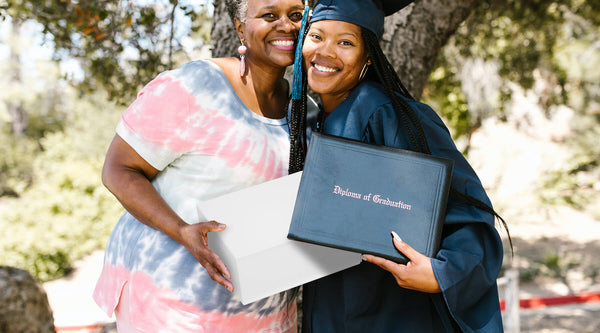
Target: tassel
x=297 y=77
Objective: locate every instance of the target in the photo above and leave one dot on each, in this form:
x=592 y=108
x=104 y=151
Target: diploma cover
x=353 y=194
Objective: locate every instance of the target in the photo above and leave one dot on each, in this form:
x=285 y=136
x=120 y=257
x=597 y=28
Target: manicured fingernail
x=396 y=237
x=363 y=257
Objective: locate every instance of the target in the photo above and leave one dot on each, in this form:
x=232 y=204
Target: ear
x=369 y=62
x=240 y=28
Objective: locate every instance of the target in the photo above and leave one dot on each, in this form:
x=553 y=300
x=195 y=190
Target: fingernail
x=396 y=237
x=363 y=257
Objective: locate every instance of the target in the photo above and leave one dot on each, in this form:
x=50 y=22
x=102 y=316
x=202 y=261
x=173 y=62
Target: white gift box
x=255 y=248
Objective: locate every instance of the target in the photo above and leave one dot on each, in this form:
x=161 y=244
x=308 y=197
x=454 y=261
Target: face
x=334 y=55
x=270 y=31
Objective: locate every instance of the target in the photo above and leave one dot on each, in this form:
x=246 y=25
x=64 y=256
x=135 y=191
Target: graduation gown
x=366 y=298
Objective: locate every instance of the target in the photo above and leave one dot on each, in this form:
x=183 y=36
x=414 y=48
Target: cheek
x=307 y=54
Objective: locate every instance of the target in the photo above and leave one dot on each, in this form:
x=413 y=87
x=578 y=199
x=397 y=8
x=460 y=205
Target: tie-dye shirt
x=189 y=124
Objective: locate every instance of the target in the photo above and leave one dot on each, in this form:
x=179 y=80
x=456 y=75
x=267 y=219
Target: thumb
x=213 y=226
x=407 y=250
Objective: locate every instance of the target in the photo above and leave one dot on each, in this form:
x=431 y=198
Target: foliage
x=120 y=45
x=42 y=98
x=528 y=41
x=549 y=48
x=16 y=163
x=577 y=183
x=68 y=213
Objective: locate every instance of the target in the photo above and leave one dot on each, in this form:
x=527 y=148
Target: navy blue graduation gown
x=366 y=298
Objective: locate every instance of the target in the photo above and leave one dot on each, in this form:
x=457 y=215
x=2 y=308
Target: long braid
x=387 y=76
x=298 y=145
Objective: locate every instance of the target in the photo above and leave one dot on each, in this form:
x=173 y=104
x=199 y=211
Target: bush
x=66 y=213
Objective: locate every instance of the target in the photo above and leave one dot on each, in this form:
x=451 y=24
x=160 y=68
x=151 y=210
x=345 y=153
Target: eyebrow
x=340 y=34
x=271 y=7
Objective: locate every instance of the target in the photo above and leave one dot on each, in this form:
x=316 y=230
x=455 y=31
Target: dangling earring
x=363 y=72
x=242 y=50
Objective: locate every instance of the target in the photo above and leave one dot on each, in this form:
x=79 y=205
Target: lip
x=321 y=68
x=286 y=44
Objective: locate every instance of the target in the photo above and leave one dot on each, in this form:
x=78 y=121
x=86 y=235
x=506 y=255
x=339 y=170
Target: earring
x=363 y=72
x=242 y=50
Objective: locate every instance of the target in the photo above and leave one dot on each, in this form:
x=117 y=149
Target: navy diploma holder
x=353 y=194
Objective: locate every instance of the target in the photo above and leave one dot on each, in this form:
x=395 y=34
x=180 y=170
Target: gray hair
x=237 y=9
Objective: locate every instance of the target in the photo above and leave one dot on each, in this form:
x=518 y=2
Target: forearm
x=128 y=177
x=139 y=197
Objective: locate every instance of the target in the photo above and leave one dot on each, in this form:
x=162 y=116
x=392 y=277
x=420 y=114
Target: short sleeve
x=155 y=124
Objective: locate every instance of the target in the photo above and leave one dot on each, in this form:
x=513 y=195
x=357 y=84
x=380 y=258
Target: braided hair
x=385 y=74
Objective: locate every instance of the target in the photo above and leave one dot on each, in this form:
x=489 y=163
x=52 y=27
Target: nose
x=326 y=49
x=284 y=24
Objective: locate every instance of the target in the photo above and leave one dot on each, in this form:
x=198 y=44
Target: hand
x=417 y=274
x=194 y=238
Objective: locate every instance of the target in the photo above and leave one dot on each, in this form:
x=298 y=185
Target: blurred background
x=516 y=81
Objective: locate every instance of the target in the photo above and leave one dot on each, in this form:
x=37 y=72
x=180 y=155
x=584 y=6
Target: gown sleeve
x=470 y=255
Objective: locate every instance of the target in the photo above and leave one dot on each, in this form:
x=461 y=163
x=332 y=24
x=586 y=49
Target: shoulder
x=204 y=70
x=370 y=94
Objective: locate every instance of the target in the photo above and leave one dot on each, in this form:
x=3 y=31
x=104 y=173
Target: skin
x=269 y=27
x=269 y=32
x=335 y=54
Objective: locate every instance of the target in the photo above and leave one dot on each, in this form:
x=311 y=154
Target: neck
x=263 y=80
x=330 y=102
x=266 y=91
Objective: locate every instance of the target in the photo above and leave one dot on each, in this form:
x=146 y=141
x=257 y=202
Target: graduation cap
x=368 y=14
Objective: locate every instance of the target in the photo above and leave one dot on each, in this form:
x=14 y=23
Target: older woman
x=196 y=132
x=362 y=98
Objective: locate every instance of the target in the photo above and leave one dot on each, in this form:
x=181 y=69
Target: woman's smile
x=325 y=69
x=335 y=55
x=286 y=44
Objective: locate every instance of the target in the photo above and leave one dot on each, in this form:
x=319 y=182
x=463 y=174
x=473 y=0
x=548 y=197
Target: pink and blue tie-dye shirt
x=189 y=124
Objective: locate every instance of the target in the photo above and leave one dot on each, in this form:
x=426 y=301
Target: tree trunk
x=413 y=37
x=225 y=40
x=15 y=106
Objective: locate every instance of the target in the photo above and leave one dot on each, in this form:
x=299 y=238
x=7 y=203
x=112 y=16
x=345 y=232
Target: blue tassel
x=297 y=78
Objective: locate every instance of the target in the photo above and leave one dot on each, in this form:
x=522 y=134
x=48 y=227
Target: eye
x=346 y=43
x=296 y=17
x=315 y=36
x=269 y=16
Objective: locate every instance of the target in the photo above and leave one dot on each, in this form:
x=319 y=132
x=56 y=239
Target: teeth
x=283 y=43
x=325 y=69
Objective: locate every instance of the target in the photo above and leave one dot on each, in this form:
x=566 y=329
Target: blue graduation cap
x=368 y=14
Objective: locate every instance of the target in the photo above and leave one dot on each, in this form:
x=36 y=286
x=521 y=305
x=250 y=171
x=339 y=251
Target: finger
x=388 y=265
x=218 y=278
x=213 y=226
x=407 y=250
x=213 y=260
x=221 y=266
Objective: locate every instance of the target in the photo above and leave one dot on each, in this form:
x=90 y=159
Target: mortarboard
x=368 y=14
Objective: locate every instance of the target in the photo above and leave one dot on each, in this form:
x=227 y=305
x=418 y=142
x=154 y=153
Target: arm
x=128 y=176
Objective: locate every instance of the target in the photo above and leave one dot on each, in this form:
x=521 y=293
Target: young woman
x=202 y=130
x=362 y=98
